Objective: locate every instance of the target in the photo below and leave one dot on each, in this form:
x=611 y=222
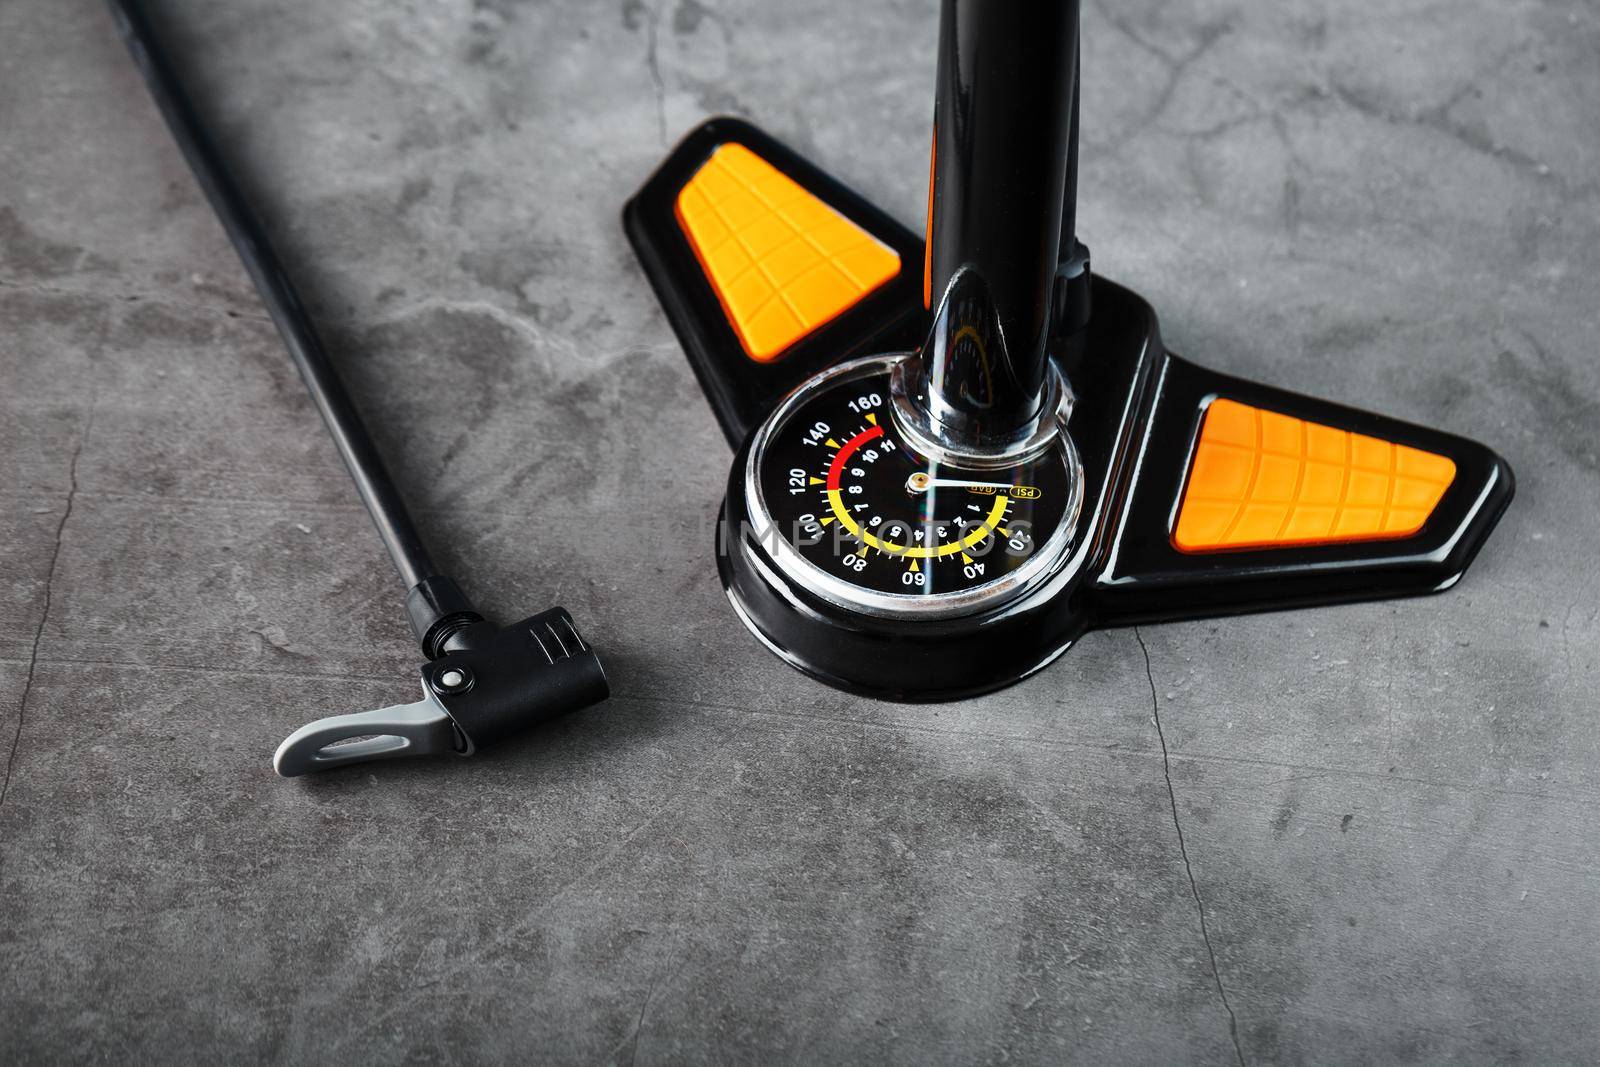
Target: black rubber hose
x=249 y=239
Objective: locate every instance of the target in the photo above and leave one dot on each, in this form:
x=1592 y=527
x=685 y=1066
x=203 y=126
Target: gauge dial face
x=842 y=487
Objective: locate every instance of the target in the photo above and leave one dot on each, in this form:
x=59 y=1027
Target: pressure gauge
x=852 y=508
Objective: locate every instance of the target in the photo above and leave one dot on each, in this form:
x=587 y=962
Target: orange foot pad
x=782 y=262
x=1265 y=480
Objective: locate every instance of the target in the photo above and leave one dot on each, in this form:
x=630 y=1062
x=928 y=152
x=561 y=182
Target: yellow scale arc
x=972 y=539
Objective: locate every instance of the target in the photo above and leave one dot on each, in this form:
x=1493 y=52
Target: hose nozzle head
x=496 y=682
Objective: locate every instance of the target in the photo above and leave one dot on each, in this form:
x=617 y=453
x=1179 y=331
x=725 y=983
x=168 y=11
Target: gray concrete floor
x=1383 y=827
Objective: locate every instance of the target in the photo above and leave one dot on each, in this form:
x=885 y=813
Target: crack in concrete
x=153 y=299
x=1176 y=65
x=44 y=615
x=1183 y=851
x=638 y=1026
x=654 y=63
x=1440 y=119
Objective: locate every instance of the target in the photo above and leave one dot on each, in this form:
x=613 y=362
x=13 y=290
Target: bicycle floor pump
x=957 y=454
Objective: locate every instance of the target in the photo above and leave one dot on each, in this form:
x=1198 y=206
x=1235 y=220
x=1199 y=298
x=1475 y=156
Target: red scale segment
x=836 y=468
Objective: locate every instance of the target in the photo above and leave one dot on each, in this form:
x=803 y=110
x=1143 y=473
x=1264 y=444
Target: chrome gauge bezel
x=838 y=592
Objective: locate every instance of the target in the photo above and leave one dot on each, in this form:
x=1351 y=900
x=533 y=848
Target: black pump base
x=1136 y=424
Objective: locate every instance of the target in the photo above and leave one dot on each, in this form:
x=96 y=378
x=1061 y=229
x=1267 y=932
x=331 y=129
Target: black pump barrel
x=1001 y=207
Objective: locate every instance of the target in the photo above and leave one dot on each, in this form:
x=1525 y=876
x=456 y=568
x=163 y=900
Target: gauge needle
x=921 y=483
